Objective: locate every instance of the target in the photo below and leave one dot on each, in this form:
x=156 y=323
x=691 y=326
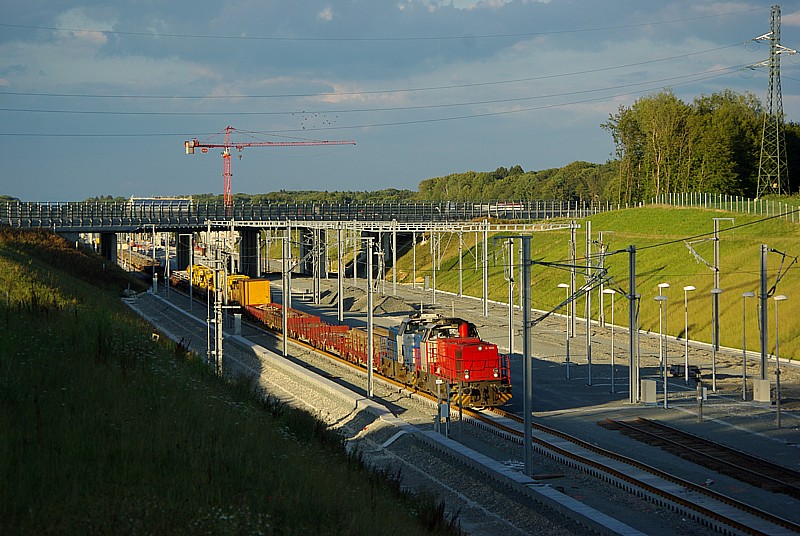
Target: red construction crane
x=226 y=154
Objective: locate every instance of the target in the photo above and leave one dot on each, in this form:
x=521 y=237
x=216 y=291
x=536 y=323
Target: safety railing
x=95 y=216
x=732 y=203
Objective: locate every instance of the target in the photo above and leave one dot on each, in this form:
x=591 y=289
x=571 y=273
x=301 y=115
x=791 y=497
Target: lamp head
x=716 y=291
x=688 y=288
x=748 y=294
x=779 y=297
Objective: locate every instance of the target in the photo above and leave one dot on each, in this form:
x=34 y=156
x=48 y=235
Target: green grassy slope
x=107 y=431
x=662 y=256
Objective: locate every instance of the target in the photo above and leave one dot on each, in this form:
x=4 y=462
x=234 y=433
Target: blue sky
x=97 y=98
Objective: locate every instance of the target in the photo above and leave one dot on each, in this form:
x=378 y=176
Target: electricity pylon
x=772 y=173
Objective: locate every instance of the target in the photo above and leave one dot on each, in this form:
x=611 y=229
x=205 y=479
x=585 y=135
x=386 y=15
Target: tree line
x=664 y=145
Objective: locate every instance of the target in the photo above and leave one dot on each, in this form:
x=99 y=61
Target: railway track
x=709 y=507
x=723 y=459
x=718 y=511
x=706 y=506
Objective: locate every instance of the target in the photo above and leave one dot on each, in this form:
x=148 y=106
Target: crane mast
x=226 y=146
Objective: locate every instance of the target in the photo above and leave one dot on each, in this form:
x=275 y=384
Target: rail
x=676 y=499
x=721 y=458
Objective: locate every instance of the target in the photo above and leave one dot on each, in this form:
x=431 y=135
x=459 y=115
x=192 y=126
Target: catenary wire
x=596 y=256
x=710 y=233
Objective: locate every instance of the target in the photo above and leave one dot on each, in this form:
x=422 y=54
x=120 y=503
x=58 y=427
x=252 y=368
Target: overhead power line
x=396 y=123
x=705 y=76
x=378 y=91
x=377 y=39
x=711 y=233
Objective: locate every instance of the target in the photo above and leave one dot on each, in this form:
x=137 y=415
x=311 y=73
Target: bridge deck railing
x=127 y=217
x=98 y=217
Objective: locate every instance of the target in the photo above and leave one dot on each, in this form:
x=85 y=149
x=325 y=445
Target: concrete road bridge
x=393 y=227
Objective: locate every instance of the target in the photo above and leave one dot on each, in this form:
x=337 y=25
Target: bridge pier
x=305 y=246
x=108 y=246
x=249 y=255
x=183 y=250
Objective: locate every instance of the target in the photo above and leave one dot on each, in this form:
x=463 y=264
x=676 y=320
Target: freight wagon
x=425 y=348
x=239 y=289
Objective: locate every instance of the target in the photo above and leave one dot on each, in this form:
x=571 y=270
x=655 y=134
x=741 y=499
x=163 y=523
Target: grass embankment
x=107 y=431
x=662 y=256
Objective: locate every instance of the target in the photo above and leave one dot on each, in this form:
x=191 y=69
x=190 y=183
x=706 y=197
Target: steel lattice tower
x=772 y=173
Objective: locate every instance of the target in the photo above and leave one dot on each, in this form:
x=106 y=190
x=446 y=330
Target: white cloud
x=82 y=27
x=325 y=15
x=70 y=63
x=158 y=26
x=791 y=19
x=721 y=8
x=477 y=4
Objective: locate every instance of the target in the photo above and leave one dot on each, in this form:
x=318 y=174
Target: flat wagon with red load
x=424 y=349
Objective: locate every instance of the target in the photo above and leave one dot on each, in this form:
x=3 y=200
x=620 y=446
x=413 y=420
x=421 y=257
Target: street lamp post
x=612 y=292
x=745 y=295
x=661 y=287
x=779 y=298
x=662 y=302
x=686 y=290
x=715 y=292
x=566 y=286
